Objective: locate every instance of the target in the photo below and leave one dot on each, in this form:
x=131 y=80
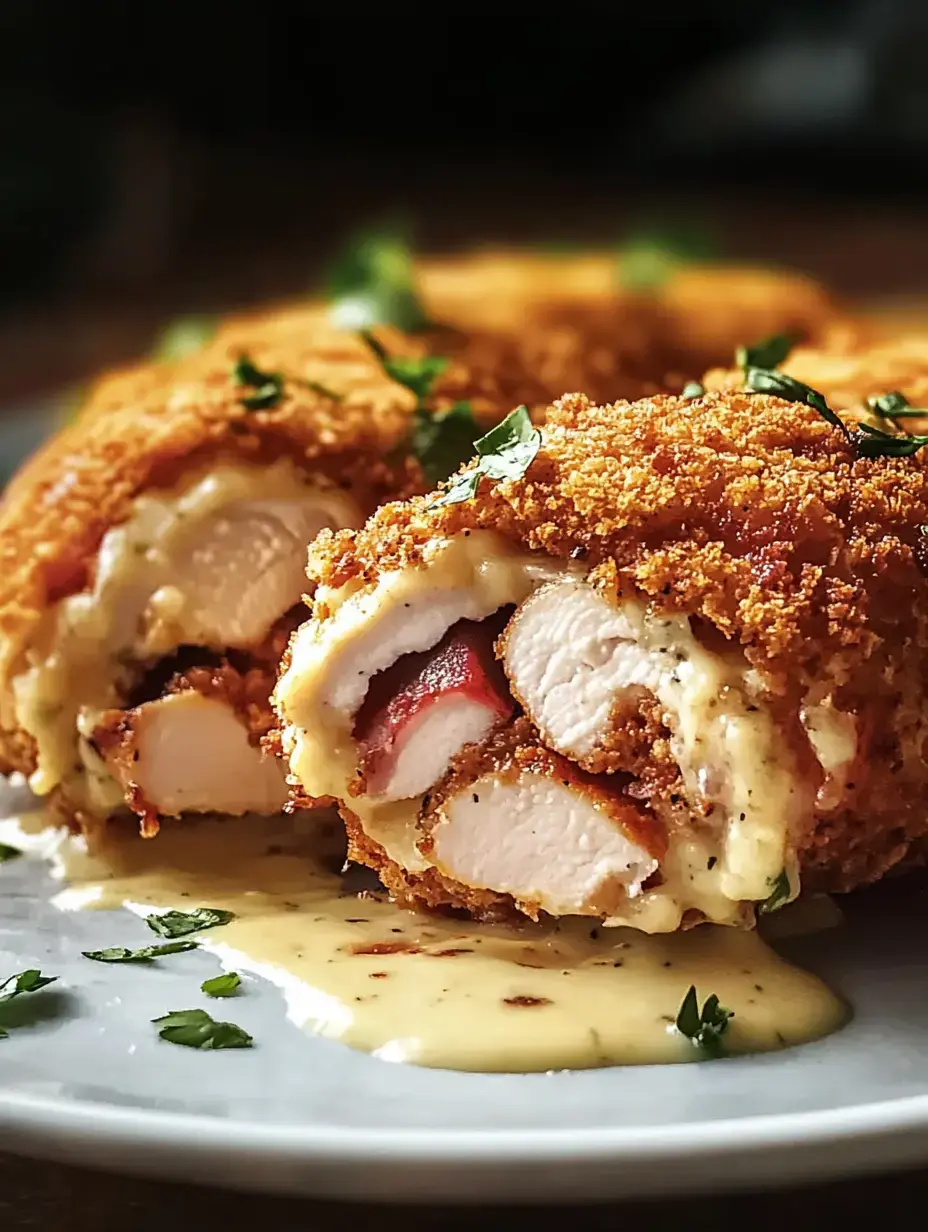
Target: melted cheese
x=725 y=740
x=439 y=992
x=136 y=610
x=462 y=578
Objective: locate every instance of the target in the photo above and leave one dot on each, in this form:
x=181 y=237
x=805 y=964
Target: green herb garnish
x=506 y=452
x=180 y=923
x=417 y=374
x=780 y=892
x=704 y=1028
x=868 y=441
x=119 y=954
x=24 y=982
x=268 y=386
x=318 y=388
x=647 y=260
x=895 y=406
x=871 y=442
x=444 y=441
x=441 y=441
x=374 y=284
x=769 y=353
x=692 y=389
x=225 y=985
x=196 y=1029
x=184 y=337
x=8 y=853
x=769 y=381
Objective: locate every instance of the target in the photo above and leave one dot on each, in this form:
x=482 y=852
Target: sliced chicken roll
x=652 y=664
x=168 y=524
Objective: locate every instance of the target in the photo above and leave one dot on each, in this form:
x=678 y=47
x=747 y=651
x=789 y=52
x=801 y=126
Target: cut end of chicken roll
x=214 y=567
x=187 y=753
x=498 y=687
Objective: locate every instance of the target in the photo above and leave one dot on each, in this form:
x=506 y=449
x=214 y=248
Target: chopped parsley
x=893 y=405
x=871 y=442
x=268 y=386
x=780 y=891
x=505 y=452
x=704 y=1028
x=769 y=381
x=374 y=284
x=318 y=388
x=8 y=853
x=769 y=353
x=196 y=1029
x=181 y=923
x=119 y=954
x=24 y=982
x=692 y=389
x=184 y=337
x=440 y=441
x=416 y=373
x=647 y=260
x=225 y=985
x=867 y=440
x=874 y=442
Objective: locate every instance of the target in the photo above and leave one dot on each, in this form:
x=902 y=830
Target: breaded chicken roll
x=155 y=549
x=153 y=557
x=654 y=663
x=691 y=313
x=535 y=325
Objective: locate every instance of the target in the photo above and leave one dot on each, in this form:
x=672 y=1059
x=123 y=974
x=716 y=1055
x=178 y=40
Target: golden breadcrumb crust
x=848 y=379
x=695 y=313
x=746 y=510
x=753 y=515
x=85 y=479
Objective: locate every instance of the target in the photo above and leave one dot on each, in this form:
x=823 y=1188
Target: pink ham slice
x=428 y=706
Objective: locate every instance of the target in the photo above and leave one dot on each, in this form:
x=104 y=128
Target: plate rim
x=432 y=1164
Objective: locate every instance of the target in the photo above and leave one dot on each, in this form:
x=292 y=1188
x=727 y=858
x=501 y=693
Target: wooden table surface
x=55 y=1198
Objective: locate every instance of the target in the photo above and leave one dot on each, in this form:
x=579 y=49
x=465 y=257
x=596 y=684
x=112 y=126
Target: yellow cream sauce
x=436 y=991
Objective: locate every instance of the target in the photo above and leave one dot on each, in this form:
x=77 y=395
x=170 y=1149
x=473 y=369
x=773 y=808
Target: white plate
x=89 y=1082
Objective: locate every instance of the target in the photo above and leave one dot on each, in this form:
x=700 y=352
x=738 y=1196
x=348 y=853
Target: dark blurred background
x=170 y=157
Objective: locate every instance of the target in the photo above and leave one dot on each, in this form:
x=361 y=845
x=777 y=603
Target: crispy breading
x=848 y=379
x=753 y=515
x=85 y=479
x=698 y=311
x=744 y=509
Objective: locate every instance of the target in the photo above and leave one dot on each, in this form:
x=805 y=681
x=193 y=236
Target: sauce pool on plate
x=437 y=991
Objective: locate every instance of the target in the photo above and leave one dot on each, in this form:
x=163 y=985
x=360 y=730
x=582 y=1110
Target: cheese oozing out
x=569 y=652
x=213 y=562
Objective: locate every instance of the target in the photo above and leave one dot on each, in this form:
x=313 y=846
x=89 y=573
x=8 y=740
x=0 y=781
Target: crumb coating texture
x=753 y=515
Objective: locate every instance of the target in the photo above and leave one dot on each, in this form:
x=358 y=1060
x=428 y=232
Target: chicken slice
x=188 y=753
x=233 y=573
x=571 y=656
x=333 y=661
x=428 y=706
x=524 y=822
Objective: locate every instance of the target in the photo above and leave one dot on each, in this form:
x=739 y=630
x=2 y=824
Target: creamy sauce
x=136 y=609
x=439 y=992
x=724 y=738
x=467 y=577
